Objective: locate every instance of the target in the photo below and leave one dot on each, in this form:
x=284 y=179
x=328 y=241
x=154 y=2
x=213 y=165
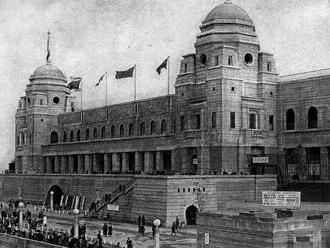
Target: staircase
x=119 y=191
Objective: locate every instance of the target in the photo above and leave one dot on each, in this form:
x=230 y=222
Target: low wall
x=10 y=241
x=163 y=197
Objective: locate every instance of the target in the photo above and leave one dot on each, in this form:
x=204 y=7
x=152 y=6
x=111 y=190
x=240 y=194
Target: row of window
x=312 y=118
x=193 y=190
x=21 y=139
x=141 y=131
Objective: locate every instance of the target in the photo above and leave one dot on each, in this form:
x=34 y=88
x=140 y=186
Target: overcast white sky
x=90 y=37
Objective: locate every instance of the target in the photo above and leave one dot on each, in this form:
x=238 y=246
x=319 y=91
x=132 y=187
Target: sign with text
x=112 y=207
x=207 y=238
x=284 y=199
x=260 y=160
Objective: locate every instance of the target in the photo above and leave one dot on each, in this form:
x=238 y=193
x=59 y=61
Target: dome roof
x=228 y=10
x=48 y=71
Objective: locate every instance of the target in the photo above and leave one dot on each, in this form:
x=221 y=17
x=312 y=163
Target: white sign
x=207 y=238
x=260 y=160
x=112 y=207
x=285 y=199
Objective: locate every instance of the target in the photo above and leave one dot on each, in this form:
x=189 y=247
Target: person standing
x=129 y=243
x=177 y=223
x=110 y=229
x=105 y=229
x=99 y=239
x=173 y=228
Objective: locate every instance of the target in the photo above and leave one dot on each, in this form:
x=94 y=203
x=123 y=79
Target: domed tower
x=226 y=94
x=47 y=96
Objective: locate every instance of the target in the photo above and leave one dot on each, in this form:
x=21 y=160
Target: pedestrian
x=142 y=230
x=173 y=228
x=143 y=220
x=105 y=229
x=177 y=223
x=110 y=229
x=129 y=243
x=118 y=245
x=99 y=239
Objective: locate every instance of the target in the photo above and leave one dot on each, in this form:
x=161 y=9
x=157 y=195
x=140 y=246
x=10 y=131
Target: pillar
x=51 y=201
x=159 y=161
x=138 y=161
x=57 y=164
x=105 y=163
x=125 y=162
x=324 y=163
x=203 y=160
x=71 y=164
x=88 y=163
x=94 y=164
x=80 y=163
x=64 y=164
x=148 y=161
x=48 y=164
x=115 y=162
x=185 y=160
x=173 y=161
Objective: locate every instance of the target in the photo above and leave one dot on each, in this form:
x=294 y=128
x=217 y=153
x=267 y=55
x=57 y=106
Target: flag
x=101 y=78
x=125 y=74
x=75 y=83
x=162 y=66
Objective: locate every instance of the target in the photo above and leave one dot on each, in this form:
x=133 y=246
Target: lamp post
x=76 y=226
x=51 y=201
x=20 y=223
x=157 y=224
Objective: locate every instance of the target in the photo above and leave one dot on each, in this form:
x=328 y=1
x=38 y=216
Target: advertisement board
x=112 y=207
x=281 y=199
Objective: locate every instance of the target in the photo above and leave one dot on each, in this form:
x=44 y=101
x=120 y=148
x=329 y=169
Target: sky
x=91 y=37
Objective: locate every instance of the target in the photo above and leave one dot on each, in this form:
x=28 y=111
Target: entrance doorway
x=57 y=195
x=191 y=215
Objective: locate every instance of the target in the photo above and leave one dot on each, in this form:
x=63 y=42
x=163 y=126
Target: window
x=71 y=136
x=28 y=101
x=65 y=136
x=121 y=130
x=113 y=131
x=131 y=129
x=95 y=133
x=290 y=119
x=163 y=127
x=216 y=62
x=142 y=129
x=230 y=60
x=197 y=121
x=23 y=139
x=269 y=66
x=213 y=89
x=248 y=58
x=271 y=123
x=203 y=59
x=53 y=137
x=20 y=105
x=312 y=117
x=214 y=119
x=103 y=132
x=87 y=134
x=232 y=120
x=232 y=89
x=182 y=123
x=72 y=106
x=30 y=139
x=185 y=67
x=78 y=135
x=41 y=102
x=253 y=121
x=17 y=140
x=56 y=100
x=152 y=127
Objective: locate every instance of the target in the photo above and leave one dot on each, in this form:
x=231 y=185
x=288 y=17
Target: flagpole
x=134 y=82
x=106 y=88
x=168 y=75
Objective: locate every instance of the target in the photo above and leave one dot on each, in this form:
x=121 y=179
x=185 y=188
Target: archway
x=191 y=215
x=57 y=195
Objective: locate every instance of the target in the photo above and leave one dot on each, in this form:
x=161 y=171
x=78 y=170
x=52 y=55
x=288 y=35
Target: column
x=94 y=164
x=49 y=164
x=57 y=164
x=324 y=163
x=115 y=162
x=64 y=164
x=138 y=161
x=148 y=161
x=80 y=164
x=125 y=162
x=71 y=164
x=105 y=163
x=159 y=161
x=173 y=161
x=88 y=165
x=203 y=159
x=185 y=160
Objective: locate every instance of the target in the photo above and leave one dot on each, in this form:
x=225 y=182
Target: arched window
x=87 y=134
x=121 y=130
x=113 y=131
x=290 y=119
x=103 y=132
x=312 y=117
x=163 y=127
x=142 y=129
x=152 y=127
x=78 y=135
x=53 y=137
x=71 y=136
x=131 y=129
x=95 y=133
x=65 y=137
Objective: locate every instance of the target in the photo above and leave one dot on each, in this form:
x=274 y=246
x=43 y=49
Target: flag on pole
x=75 y=83
x=125 y=74
x=101 y=78
x=163 y=65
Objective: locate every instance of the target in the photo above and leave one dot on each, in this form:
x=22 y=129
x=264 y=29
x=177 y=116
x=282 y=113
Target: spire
x=48 y=51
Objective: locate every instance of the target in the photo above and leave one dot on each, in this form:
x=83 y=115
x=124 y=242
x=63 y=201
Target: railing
x=255 y=133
